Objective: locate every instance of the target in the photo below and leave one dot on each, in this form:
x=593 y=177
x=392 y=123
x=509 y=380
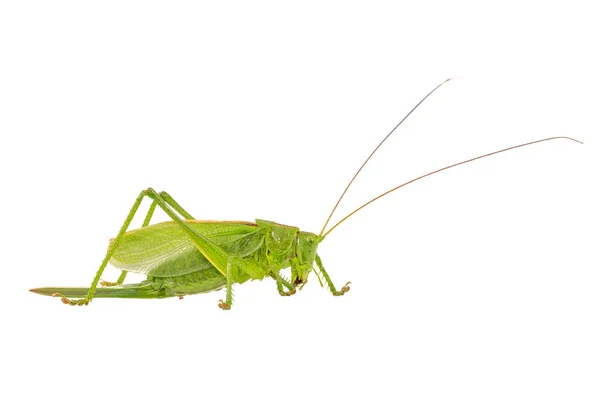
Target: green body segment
x=256 y=249
x=175 y=265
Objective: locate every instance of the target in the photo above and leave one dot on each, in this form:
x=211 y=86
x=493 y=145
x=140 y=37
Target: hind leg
x=124 y=273
x=171 y=202
x=157 y=199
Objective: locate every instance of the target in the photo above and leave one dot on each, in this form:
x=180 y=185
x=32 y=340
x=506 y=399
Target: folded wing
x=164 y=250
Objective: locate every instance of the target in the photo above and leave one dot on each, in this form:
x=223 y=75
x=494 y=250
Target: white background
x=479 y=283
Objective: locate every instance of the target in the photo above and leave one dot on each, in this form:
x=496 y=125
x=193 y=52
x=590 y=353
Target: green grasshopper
x=187 y=256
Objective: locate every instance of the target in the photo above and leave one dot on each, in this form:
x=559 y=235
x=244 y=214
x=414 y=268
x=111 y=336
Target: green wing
x=164 y=250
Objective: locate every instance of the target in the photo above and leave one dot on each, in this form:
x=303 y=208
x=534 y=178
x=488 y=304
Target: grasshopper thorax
x=286 y=246
x=306 y=252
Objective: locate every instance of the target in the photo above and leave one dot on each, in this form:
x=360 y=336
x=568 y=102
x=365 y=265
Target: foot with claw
x=344 y=290
x=289 y=293
x=66 y=300
x=104 y=283
x=223 y=305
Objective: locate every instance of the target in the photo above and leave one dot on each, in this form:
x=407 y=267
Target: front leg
x=332 y=288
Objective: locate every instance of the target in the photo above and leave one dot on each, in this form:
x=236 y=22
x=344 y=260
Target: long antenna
x=440 y=170
x=376 y=148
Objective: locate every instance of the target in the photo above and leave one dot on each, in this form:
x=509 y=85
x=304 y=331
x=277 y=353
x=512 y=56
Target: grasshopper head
x=306 y=251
